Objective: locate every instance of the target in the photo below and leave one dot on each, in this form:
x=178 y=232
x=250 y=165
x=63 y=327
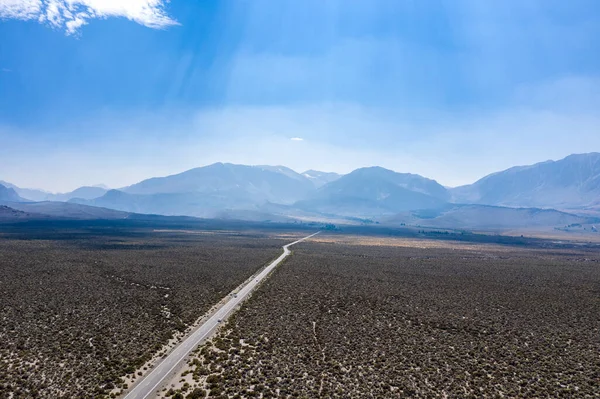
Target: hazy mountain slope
x=190 y=204
x=27 y=193
x=370 y=183
x=85 y=192
x=486 y=217
x=68 y=210
x=319 y=178
x=284 y=170
x=376 y=191
x=9 y=195
x=571 y=182
x=236 y=182
x=254 y=216
x=115 y=199
x=8 y=214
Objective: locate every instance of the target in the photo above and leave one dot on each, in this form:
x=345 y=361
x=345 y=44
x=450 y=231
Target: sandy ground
x=403 y=242
x=183 y=376
x=407 y=242
x=282 y=235
x=572 y=236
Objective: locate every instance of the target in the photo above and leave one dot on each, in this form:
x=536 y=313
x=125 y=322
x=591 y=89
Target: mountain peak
x=248 y=183
x=104 y=186
x=373 y=191
x=373 y=170
x=318 y=178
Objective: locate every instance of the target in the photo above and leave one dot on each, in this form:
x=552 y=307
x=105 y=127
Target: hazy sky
x=115 y=91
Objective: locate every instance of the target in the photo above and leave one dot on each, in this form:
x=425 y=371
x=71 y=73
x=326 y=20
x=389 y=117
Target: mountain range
x=31 y=194
x=232 y=182
x=373 y=191
x=571 y=186
x=571 y=183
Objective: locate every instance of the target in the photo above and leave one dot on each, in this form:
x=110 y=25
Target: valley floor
x=363 y=313
x=373 y=317
x=84 y=307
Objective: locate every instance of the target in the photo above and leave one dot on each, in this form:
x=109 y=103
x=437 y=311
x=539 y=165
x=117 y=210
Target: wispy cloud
x=70 y=15
x=5 y=70
x=297 y=139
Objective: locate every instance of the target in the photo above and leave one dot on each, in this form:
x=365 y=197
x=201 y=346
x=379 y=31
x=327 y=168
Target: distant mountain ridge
x=280 y=193
x=257 y=183
x=196 y=204
x=319 y=178
x=68 y=210
x=209 y=191
x=31 y=194
x=375 y=191
x=572 y=182
x=26 y=193
x=85 y=192
x=8 y=194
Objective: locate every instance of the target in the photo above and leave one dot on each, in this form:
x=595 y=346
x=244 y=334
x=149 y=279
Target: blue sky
x=116 y=91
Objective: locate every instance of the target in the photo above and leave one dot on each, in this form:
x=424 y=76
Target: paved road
x=151 y=382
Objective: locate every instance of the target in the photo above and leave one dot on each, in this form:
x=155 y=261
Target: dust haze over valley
x=287 y=199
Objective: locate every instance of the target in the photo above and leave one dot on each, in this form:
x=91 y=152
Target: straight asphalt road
x=151 y=382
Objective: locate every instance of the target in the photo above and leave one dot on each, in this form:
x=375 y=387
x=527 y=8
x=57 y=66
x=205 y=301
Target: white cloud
x=70 y=15
x=20 y=9
x=297 y=139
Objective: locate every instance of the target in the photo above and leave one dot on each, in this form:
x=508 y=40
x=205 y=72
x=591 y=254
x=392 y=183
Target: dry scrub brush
x=80 y=313
x=341 y=321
